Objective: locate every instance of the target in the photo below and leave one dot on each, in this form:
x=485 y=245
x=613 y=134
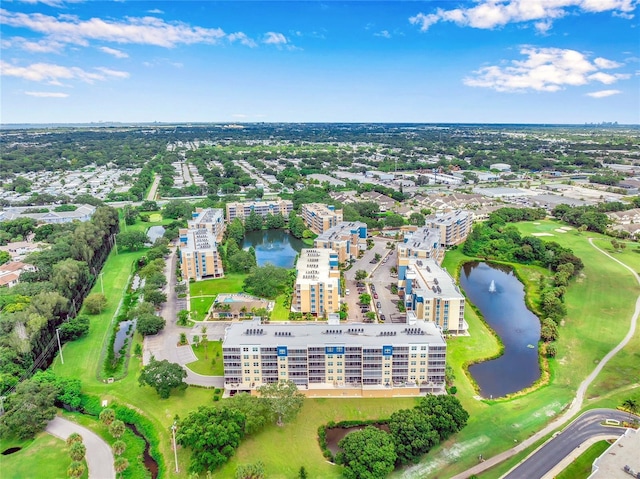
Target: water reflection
x=273 y=246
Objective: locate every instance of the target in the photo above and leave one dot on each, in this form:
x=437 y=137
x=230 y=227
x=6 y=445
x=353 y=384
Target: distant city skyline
x=488 y=61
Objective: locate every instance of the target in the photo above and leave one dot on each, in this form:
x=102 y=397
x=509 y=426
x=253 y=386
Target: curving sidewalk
x=99 y=456
x=576 y=404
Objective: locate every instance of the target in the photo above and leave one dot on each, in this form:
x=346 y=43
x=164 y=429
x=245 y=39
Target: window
x=283 y=373
x=246 y=356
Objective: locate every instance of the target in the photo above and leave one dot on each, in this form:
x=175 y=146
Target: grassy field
x=581 y=467
x=280 y=311
x=45 y=456
x=204 y=365
x=203 y=293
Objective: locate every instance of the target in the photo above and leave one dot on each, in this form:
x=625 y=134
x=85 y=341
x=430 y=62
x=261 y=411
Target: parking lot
x=380 y=279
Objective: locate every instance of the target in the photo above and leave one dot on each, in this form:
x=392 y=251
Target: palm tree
x=107 y=416
x=204 y=341
x=119 y=447
x=73 y=438
x=77 y=451
x=631 y=405
x=120 y=465
x=117 y=428
x=76 y=469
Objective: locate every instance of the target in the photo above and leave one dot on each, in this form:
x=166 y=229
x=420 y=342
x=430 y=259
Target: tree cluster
x=374 y=453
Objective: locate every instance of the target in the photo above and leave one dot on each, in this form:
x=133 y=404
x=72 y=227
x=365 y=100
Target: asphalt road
x=99 y=456
x=382 y=280
x=556 y=449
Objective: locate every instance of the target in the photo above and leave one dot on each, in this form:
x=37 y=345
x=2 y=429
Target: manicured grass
x=155 y=217
x=280 y=311
x=599 y=302
x=45 y=456
x=284 y=449
x=581 y=467
x=204 y=365
x=203 y=293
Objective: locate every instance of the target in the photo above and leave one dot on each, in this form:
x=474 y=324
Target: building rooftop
x=340 y=231
x=624 y=452
x=199 y=239
x=431 y=280
x=321 y=333
x=423 y=238
x=448 y=218
x=315 y=265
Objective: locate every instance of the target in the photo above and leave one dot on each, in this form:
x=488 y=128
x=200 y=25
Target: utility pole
x=101 y=283
x=175 y=450
x=59 y=345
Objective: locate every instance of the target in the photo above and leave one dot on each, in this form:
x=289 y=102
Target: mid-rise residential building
x=454 y=227
x=320 y=217
x=423 y=243
x=431 y=295
x=199 y=258
x=263 y=208
x=317 y=288
x=211 y=219
x=339 y=360
x=347 y=239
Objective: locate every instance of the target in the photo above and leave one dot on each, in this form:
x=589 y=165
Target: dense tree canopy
x=163 y=376
x=283 y=399
x=367 y=454
x=213 y=434
x=28 y=410
x=267 y=281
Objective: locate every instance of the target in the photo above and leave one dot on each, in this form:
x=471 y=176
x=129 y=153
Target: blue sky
x=489 y=61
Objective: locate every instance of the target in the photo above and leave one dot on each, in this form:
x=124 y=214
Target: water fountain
x=492 y=286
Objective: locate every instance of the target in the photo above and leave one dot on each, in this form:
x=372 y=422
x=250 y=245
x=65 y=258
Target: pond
x=125 y=331
x=154 y=233
x=273 y=246
x=499 y=296
x=336 y=434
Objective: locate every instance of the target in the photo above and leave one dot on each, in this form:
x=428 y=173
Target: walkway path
x=576 y=404
x=164 y=345
x=99 y=456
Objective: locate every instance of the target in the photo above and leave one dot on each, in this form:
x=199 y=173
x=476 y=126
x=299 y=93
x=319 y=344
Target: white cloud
x=115 y=52
x=383 y=34
x=46 y=94
x=489 y=14
x=274 y=38
x=137 y=30
x=53 y=74
x=242 y=38
x=41 y=46
x=156 y=11
x=544 y=69
x=603 y=93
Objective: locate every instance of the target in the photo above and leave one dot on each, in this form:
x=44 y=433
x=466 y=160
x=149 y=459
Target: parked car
x=382 y=317
x=379 y=305
x=375 y=295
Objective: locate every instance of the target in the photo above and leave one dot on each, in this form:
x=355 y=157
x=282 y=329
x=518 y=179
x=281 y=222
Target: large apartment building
x=347 y=239
x=199 y=256
x=320 y=217
x=423 y=243
x=336 y=360
x=211 y=219
x=454 y=227
x=263 y=208
x=431 y=295
x=317 y=287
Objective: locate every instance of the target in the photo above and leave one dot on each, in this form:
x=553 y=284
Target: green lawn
x=280 y=311
x=203 y=293
x=204 y=365
x=581 y=467
x=45 y=456
x=284 y=449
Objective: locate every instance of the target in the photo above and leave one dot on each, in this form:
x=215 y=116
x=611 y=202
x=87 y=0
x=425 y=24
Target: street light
x=175 y=451
x=59 y=345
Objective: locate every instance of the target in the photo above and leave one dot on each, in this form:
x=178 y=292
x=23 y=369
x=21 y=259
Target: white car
x=346 y=292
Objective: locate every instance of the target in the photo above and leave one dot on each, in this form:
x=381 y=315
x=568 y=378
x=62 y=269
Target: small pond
x=125 y=330
x=499 y=296
x=11 y=450
x=336 y=434
x=273 y=246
